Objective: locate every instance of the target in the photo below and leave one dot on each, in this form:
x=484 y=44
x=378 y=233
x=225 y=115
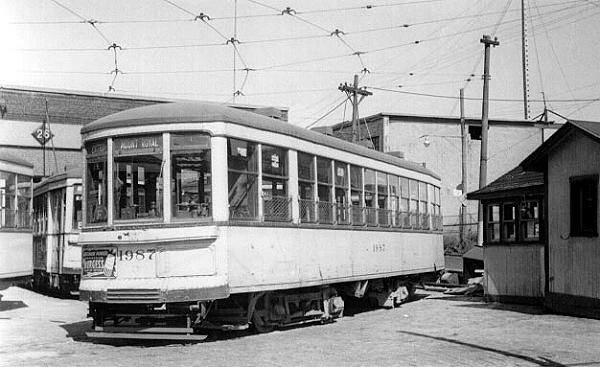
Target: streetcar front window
x=191 y=176
x=138 y=177
x=96 y=182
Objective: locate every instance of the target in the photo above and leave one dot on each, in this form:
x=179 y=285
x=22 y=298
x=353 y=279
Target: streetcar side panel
x=272 y=258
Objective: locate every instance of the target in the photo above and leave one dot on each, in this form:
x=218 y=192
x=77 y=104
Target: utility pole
x=463 y=137
x=352 y=92
x=487 y=41
x=524 y=62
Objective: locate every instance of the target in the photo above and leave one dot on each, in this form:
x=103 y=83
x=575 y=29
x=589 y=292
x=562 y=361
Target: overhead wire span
x=327 y=114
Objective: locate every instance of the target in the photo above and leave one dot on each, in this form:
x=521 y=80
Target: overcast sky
x=400 y=48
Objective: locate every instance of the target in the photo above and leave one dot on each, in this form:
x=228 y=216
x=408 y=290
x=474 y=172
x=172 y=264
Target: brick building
x=435 y=142
x=23 y=109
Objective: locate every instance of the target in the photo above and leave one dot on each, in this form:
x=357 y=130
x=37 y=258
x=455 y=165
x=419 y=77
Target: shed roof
x=475 y=253
x=210 y=112
x=516 y=181
x=7 y=157
x=535 y=161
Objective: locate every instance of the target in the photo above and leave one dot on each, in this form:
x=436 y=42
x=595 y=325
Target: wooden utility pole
x=352 y=92
x=487 y=41
x=524 y=62
x=463 y=137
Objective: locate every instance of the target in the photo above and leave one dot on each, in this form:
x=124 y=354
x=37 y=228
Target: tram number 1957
x=379 y=247
x=140 y=254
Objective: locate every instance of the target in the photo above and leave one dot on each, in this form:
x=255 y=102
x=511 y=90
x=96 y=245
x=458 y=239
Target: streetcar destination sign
x=42 y=134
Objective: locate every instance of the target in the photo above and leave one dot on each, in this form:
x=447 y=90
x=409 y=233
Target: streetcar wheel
x=260 y=322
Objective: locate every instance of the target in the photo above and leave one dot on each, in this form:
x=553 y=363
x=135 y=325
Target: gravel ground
x=436 y=330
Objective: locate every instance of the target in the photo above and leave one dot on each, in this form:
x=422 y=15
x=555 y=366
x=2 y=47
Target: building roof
x=6 y=157
x=516 y=181
x=536 y=160
x=211 y=112
x=474 y=121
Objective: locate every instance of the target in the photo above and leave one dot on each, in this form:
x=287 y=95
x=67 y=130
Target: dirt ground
x=436 y=330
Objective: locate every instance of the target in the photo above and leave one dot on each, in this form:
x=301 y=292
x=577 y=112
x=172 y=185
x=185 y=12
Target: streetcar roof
x=181 y=112
x=56 y=181
x=7 y=157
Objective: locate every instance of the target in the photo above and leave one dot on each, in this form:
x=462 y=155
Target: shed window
x=530 y=220
x=493 y=223
x=584 y=206
x=509 y=229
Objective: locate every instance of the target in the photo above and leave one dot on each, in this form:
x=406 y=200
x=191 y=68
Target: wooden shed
x=570 y=163
x=514 y=241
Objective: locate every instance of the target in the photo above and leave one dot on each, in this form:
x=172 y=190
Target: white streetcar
x=16 y=183
x=198 y=215
x=57 y=220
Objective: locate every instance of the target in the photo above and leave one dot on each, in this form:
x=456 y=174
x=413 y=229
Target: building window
x=584 y=206
x=191 y=177
x=493 y=223
x=530 y=220
x=242 y=163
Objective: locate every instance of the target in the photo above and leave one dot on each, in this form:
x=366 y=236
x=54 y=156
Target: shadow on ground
x=77 y=331
x=540 y=361
x=480 y=303
x=11 y=305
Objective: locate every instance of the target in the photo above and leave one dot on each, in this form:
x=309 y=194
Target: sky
x=413 y=55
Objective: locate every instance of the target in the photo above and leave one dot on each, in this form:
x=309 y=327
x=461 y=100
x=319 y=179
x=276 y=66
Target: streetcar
x=57 y=220
x=200 y=216
x=16 y=183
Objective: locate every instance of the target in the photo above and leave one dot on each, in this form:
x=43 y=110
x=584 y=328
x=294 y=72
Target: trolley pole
x=352 y=92
x=463 y=137
x=487 y=41
x=524 y=62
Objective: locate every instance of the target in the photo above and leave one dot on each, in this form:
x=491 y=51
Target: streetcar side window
x=370 y=197
x=191 y=179
x=138 y=177
x=76 y=207
x=356 y=186
x=242 y=163
x=276 y=203
x=414 y=202
x=7 y=196
x=306 y=187
x=324 y=185
x=341 y=192
x=394 y=196
x=96 y=206
x=382 y=199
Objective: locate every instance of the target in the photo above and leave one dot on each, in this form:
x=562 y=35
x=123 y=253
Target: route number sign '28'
x=42 y=134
